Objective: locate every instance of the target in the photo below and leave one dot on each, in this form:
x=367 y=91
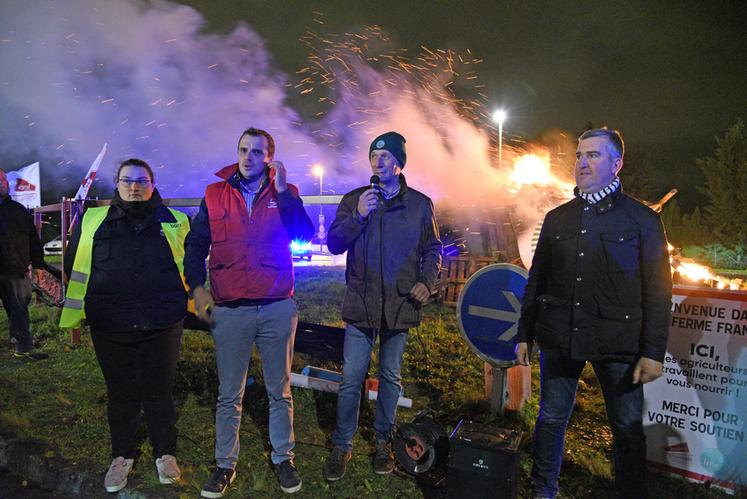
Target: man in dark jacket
x=19 y=247
x=599 y=290
x=246 y=223
x=393 y=260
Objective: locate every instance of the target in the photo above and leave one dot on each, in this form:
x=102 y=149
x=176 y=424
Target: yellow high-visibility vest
x=73 y=312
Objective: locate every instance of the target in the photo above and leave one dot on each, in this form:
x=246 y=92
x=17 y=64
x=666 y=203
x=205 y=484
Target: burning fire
x=532 y=169
x=696 y=273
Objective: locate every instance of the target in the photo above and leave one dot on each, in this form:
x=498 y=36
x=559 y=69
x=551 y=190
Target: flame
x=532 y=169
x=695 y=272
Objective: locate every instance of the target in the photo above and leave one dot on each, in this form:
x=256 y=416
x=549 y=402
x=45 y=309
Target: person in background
x=19 y=247
x=124 y=264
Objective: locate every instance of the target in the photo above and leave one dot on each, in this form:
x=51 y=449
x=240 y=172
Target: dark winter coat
x=134 y=284
x=19 y=242
x=390 y=251
x=600 y=285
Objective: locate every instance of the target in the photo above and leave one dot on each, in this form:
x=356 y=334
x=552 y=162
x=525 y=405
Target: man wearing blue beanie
x=393 y=258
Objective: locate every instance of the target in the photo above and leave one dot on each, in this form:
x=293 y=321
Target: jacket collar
x=228 y=171
x=230 y=174
x=161 y=213
x=402 y=187
x=604 y=205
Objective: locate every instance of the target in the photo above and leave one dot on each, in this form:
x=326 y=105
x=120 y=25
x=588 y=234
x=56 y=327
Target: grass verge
x=62 y=403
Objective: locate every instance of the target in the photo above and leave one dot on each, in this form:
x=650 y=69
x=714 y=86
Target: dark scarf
x=137 y=211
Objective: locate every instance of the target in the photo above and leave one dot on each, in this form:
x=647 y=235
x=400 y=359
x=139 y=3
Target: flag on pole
x=25 y=186
x=88 y=179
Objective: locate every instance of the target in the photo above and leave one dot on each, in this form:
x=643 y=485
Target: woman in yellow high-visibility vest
x=124 y=264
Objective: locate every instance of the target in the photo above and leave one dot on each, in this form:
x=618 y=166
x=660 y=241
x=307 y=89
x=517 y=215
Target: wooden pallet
x=455 y=272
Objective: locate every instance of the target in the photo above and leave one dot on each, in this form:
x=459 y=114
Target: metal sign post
x=488 y=310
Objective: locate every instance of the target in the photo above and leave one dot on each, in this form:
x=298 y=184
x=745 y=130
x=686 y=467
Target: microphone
x=374 y=182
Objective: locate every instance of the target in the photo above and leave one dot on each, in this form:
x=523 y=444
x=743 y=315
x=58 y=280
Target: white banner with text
x=694 y=415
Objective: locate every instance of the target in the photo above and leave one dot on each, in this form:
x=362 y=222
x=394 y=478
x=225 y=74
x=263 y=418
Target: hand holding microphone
x=369 y=199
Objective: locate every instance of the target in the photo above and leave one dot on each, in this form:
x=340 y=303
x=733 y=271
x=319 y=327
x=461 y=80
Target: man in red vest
x=246 y=224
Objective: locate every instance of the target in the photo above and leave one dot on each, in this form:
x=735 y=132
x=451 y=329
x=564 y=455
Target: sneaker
x=31 y=355
x=218 y=483
x=116 y=478
x=168 y=470
x=383 y=462
x=290 y=480
x=334 y=466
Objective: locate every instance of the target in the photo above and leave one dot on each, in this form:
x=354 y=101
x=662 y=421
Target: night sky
x=669 y=75
x=175 y=86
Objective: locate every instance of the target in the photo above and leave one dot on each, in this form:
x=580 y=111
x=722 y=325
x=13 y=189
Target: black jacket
x=600 y=285
x=19 y=242
x=134 y=283
x=388 y=253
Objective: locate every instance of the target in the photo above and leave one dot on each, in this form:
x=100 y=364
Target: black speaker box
x=483 y=462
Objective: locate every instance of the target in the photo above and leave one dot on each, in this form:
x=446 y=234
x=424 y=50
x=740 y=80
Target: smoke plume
x=145 y=78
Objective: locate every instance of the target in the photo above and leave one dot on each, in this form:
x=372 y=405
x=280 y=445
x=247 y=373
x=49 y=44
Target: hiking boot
x=334 y=466
x=116 y=478
x=383 y=461
x=168 y=470
x=31 y=355
x=290 y=480
x=218 y=483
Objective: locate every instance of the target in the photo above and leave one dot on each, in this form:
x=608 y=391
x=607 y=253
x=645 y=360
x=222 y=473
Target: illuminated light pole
x=319 y=172
x=499 y=116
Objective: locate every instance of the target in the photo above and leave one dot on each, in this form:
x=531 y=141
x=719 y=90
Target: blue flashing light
x=300 y=246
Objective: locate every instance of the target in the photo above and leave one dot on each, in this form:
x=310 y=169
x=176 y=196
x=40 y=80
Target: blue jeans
x=273 y=328
x=357 y=355
x=624 y=403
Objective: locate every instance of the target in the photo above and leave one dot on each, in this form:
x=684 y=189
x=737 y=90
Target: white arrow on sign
x=501 y=315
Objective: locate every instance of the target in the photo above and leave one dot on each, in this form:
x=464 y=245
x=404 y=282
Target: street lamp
x=319 y=172
x=499 y=117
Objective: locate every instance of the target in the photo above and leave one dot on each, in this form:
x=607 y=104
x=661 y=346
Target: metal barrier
x=70 y=211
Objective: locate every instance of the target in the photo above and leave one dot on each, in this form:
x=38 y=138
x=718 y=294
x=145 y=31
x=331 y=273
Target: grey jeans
x=273 y=328
x=15 y=293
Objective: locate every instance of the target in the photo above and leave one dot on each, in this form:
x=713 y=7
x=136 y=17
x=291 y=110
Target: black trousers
x=139 y=374
x=15 y=292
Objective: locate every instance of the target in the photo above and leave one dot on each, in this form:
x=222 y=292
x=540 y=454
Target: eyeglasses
x=142 y=182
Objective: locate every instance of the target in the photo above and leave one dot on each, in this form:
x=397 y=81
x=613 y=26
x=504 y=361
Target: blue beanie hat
x=392 y=142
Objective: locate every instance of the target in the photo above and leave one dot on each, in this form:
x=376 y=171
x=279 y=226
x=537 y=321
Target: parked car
x=301 y=249
x=54 y=247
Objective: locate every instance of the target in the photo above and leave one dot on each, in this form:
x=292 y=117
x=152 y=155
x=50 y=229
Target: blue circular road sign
x=488 y=310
